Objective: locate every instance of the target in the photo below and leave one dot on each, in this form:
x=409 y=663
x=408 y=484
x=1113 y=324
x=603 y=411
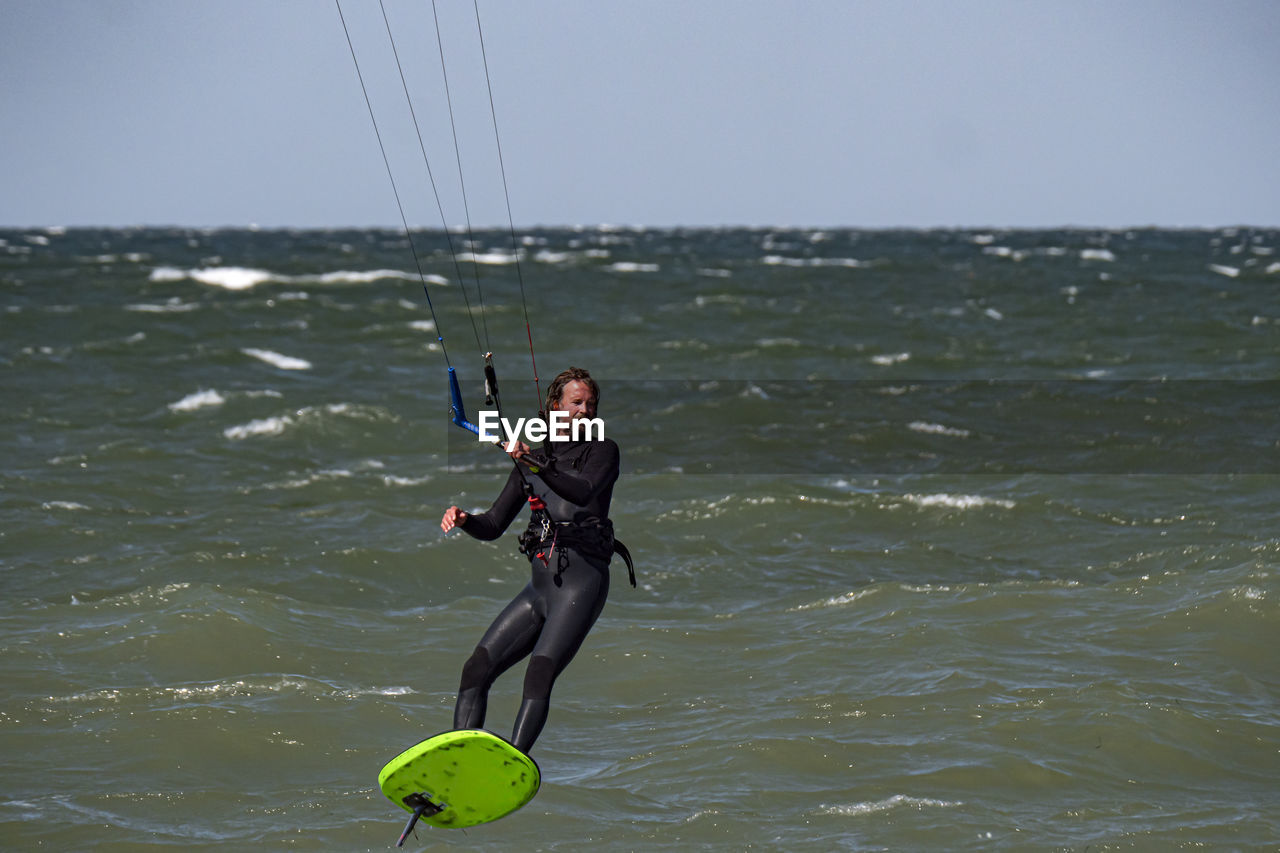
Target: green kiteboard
x=458 y=779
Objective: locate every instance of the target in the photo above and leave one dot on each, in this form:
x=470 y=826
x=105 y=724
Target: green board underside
x=474 y=775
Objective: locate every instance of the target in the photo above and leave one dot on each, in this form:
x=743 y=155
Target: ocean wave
x=783 y=261
x=310 y=415
x=631 y=266
x=171 y=306
x=835 y=600
x=275 y=359
x=198 y=400
x=238 y=688
x=937 y=429
x=950 y=501
x=260 y=426
x=246 y=278
x=489 y=258
x=897 y=801
x=1097 y=255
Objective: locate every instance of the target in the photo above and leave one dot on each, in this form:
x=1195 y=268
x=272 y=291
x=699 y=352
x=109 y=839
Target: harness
x=593 y=538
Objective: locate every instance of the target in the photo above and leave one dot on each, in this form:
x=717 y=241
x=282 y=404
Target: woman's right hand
x=453 y=517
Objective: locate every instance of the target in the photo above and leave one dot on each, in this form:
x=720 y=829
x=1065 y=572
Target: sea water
x=945 y=539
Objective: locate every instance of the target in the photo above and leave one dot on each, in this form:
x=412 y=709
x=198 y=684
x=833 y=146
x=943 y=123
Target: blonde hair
x=574 y=374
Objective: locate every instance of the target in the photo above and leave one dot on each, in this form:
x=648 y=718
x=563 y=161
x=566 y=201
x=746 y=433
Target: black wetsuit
x=570 y=565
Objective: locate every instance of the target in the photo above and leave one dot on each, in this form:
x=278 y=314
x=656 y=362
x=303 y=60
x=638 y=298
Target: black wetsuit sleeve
x=598 y=472
x=490 y=525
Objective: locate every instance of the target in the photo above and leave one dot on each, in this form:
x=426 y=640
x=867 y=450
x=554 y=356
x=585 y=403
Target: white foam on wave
x=167 y=274
x=957 y=501
x=70 y=505
x=170 y=306
x=894 y=802
x=245 y=278
x=364 y=277
x=888 y=359
x=937 y=429
x=230 y=278
x=198 y=400
x=491 y=258
x=632 y=266
x=1220 y=269
x=1096 y=255
x=261 y=426
x=1005 y=252
x=835 y=601
x=1273 y=268
x=397 y=480
x=275 y=359
x=783 y=261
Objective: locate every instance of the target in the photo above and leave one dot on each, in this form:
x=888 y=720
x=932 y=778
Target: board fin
x=421 y=805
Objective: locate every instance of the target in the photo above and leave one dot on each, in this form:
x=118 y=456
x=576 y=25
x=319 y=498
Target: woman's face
x=577 y=400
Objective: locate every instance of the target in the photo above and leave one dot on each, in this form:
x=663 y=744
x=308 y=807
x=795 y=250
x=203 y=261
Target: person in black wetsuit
x=569 y=543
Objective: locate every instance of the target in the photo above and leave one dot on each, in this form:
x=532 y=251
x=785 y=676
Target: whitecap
x=937 y=429
x=632 y=266
x=363 y=277
x=1096 y=255
x=889 y=359
x=993 y=314
x=275 y=359
x=1272 y=268
x=198 y=400
x=71 y=505
x=835 y=601
x=396 y=480
x=491 y=258
x=230 y=278
x=957 y=501
x=1229 y=272
x=167 y=274
x=896 y=801
x=171 y=306
x=262 y=426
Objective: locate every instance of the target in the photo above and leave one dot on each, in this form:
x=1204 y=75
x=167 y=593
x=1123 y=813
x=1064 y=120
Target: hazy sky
x=645 y=112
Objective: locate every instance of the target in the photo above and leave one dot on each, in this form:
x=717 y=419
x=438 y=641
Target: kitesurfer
x=569 y=542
